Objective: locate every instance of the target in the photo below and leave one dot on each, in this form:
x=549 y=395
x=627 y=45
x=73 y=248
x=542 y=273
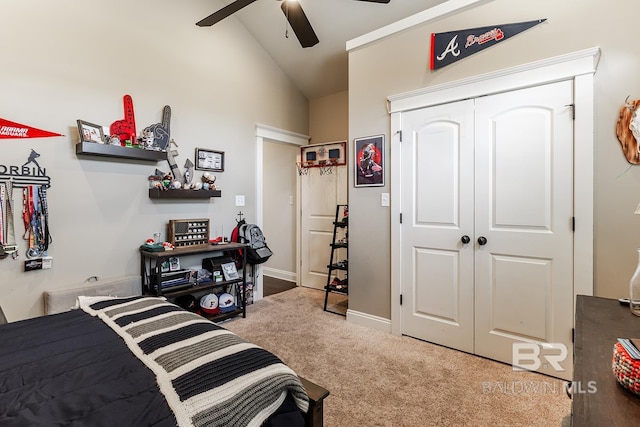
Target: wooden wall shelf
x=106 y=150
x=155 y=193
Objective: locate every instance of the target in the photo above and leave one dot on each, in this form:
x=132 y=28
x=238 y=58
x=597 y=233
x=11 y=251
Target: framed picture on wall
x=209 y=160
x=369 y=161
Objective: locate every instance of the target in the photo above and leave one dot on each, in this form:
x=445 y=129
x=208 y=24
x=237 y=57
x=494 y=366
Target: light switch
x=384 y=199
x=239 y=199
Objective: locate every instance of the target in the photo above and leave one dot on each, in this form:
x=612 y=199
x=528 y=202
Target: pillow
x=64 y=300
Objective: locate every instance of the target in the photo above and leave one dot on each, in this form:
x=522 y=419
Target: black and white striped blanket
x=208 y=375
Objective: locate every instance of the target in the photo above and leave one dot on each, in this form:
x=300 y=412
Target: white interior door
x=437 y=210
x=319 y=196
x=499 y=170
x=524 y=209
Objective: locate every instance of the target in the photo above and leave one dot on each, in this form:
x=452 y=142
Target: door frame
x=578 y=66
x=269 y=133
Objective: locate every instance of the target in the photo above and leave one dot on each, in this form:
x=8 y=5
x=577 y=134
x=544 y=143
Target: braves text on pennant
x=495 y=34
x=445 y=48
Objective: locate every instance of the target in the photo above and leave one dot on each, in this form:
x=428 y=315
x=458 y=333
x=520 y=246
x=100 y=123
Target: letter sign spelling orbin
x=10 y=129
x=449 y=47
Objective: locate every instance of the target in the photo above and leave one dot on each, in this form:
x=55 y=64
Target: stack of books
x=631 y=345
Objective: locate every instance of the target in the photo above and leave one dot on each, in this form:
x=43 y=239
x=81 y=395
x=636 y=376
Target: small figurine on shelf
x=163 y=181
x=167 y=180
x=155 y=181
x=147 y=139
x=208 y=181
x=188 y=173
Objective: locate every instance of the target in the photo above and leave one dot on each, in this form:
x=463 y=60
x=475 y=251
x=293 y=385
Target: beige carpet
x=377 y=379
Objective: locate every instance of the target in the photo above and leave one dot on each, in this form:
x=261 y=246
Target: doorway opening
x=272 y=200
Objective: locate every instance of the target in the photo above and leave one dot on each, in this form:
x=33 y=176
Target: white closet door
x=437 y=209
x=498 y=169
x=524 y=209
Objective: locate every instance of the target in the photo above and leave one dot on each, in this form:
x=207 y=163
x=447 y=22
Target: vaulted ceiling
x=322 y=69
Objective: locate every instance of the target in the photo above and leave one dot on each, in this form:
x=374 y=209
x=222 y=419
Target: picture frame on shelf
x=217 y=276
x=230 y=272
x=369 y=161
x=209 y=160
x=174 y=263
x=90 y=132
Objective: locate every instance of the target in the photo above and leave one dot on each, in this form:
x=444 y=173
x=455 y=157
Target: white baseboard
x=279 y=274
x=370 y=321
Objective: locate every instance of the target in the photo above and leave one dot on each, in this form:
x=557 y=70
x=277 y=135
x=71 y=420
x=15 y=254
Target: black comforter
x=73 y=369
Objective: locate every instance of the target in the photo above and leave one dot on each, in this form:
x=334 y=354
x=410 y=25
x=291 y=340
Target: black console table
x=151 y=273
x=597 y=398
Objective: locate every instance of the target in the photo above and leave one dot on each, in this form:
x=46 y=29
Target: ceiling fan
x=291 y=9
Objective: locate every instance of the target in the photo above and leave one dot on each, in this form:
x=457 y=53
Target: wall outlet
x=239 y=199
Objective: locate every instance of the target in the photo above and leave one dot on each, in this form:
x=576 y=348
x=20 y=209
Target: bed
x=141 y=361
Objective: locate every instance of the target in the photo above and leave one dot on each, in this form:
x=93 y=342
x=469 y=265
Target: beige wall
x=329 y=118
x=400 y=63
x=69 y=60
x=279 y=228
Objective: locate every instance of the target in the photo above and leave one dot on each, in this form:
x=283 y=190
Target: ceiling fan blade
x=299 y=23
x=377 y=1
x=228 y=10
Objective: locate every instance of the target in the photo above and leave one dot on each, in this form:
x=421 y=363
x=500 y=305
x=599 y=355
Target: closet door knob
x=482 y=240
x=465 y=239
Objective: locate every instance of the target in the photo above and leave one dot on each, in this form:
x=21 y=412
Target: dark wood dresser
x=597 y=398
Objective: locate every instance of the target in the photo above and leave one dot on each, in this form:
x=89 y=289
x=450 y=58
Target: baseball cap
x=209 y=304
x=226 y=303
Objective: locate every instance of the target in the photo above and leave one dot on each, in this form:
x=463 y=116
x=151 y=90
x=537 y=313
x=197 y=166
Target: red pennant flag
x=10 y=129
